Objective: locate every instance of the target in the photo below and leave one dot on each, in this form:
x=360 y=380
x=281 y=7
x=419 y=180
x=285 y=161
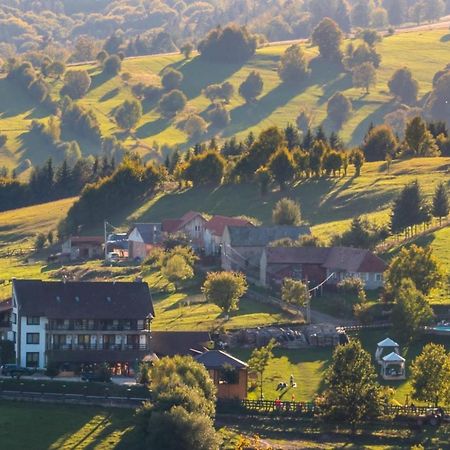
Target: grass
x=52 y=427
x=309 y=365
x=424 y=52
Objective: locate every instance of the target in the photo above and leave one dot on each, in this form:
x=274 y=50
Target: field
x=278 y=104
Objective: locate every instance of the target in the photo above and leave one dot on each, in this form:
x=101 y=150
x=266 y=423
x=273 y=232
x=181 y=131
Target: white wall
x=32 y=347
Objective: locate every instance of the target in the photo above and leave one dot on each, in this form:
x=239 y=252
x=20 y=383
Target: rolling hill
x=278 y=104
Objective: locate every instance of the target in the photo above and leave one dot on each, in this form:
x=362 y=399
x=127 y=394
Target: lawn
x=425 y=52
x=309 y=365
x=54 y=427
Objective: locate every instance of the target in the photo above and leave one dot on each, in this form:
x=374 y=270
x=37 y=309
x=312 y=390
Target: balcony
x=97 y=347
x=97 y=326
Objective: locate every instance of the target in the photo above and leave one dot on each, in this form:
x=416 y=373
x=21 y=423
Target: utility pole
x=105 y=223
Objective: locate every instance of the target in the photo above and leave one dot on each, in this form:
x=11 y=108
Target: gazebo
x=393 y=367
x=387 y=343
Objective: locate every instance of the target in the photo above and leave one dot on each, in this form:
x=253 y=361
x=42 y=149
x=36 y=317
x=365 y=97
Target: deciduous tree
x=286 y=212
x=259 y=361
x=328 y=37
x=251 y=87
x=128 y=114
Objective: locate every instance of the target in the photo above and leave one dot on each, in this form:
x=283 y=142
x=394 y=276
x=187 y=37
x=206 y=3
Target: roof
x=261 y=236
x=98 y=240
x=334 y=258
x=388 y=342
x=354 y=260
x=174 y=225
x=170 y=343
x=217 y=224
x=150 y=232
x=84 y=299
x=6 y=305
x=393 y=357
x=216 y=359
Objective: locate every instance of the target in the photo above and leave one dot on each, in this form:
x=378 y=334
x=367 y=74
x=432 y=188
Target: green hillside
x=278 y=104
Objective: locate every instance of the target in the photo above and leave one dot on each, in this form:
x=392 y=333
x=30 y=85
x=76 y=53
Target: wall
x=33 y=347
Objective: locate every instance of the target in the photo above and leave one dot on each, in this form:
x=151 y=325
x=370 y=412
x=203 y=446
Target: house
x=78 y=323
x=83 y=247
x=214 y=229
x=192 y=224
x=317 y=264
x=142 y=238
x=230 y=375
x=243 y=246
x=117 y=243
x=170 y=343
x=5 y=318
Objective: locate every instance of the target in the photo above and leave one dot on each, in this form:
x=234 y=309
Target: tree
x=172 y=103
x=293 y=67
x=282 y=167
x=328 y=37
x=409 y=209
x=101 y=56
x=439 y=102
x=229 y=44
x=219 y=116
x=441 y=206
x=411 y=311
x=397 y=11
x=295 y=292
x=263 y=178
x=339 y=109
x=332 y=162
x=128 y=114
x=364 y=76
x=56 y=69
x=40 y=241
x=286 y=212
x=187 y=49
x=206 y=168
x=177 y=269
x=259 y=361
x=379 y=142
x=112 y=65
x=417 y=264
x=352 y=394
x=171 y=79
x=225 y=289
x=195 y=126
x=430 y=375
x=38 y=89
x=362 y=234
x=357 y=158
x=251 y=87
x=76 y=83
x=419 y=139
x=403 y=86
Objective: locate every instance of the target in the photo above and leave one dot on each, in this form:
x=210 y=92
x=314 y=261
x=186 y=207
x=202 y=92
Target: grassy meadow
x=278 y=104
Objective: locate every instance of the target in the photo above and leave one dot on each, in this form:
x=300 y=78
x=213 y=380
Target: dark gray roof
x=150 y=232
x=261 y=236
x=216 y=359
x=170 y=343
x=84 y=299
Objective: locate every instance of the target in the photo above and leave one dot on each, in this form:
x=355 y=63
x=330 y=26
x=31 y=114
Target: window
x=32 y=359
x=228 y=375
x=33 y=320
x=32 y=338
x=14 y=318
x=379 y=277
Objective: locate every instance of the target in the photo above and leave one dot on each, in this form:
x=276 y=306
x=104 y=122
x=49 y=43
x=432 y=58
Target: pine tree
x=308 y=140
x=441 y=207
x=292 y=136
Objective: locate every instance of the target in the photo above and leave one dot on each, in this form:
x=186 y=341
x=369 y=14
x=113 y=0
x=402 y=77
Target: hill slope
x=424 y=52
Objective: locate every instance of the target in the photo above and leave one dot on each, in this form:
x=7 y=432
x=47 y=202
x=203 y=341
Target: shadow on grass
x=151 y=128
x=109 y=95
x=14 y=99
x=99 y=78
x=445 y=38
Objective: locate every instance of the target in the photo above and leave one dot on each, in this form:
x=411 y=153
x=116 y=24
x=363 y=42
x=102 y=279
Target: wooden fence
x=287 y=408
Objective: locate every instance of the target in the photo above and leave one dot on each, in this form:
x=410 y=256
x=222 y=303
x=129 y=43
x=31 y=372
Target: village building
x=317 y=264
x=214 y=228
x=192 y=224
x=229 y=374
x=5 y=319
x=242 y=247
x=83 y=247
x=171 y=343
x=142 y=238
x=73 y=324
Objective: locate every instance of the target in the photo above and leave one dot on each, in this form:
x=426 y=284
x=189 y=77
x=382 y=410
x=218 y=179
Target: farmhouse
x=243 y=246
x=5 y=318
x=83 y=247
x=318 y=264
x=142 y=238
x=229 y=374
x=214 y=229
x=76 y=323
x=192 y=224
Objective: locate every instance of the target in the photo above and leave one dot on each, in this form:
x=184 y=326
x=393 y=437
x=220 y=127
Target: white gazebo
x=393 y=367
x=387 y=343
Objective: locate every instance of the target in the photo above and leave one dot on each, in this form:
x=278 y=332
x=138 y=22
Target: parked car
x=112 y=257
x=98 y=376
x=16 y=371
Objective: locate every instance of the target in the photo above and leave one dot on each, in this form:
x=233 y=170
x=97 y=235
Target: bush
x=112 y=65
x=76 y=83
x=219 y=117
x=229 y=44
x=172 y=103
x=171 y=79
